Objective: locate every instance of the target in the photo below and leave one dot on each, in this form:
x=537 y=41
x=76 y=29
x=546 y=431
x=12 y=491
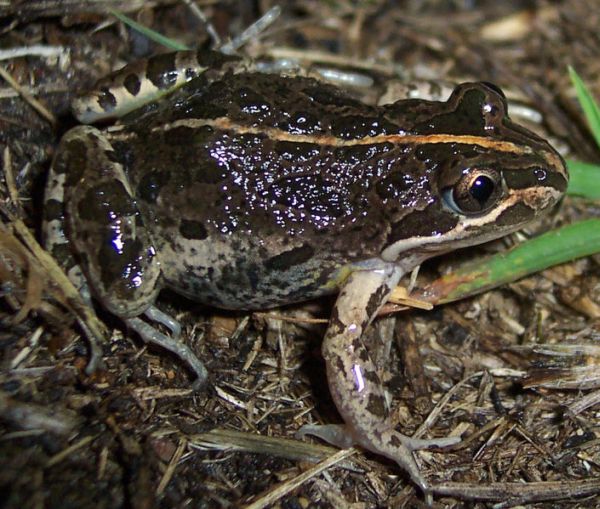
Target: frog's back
x=297 y=105
x=260 y=190
x=254 y=196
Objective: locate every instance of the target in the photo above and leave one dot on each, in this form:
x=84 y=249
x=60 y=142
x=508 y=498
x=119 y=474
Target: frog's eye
x=477 y=191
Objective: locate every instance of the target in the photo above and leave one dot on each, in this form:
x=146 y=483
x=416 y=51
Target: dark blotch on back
x=350 y=127
x=359 y=154
x=209 y=172
x=312 y=193
x=151 y=184
x=121 y=154
x=395 y=184
x=294 y=151
x=120 y=267
x=251 y=103
x=213 y=102
x=181 y=135
x=194 y=230
x=72 y=160
x=105 y=201
x=302 y=123
x=287 y=259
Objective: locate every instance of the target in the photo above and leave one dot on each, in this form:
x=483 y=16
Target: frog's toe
x=397 y=447
x=417 y=444
x=95 y=361
x=181 y=350
x=156 y=315
x=334 y=434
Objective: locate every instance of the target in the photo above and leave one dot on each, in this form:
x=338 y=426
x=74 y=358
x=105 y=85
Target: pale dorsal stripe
x=276 y=134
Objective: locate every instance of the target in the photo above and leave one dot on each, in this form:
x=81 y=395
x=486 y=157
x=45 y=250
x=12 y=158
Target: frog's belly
x=239 y=279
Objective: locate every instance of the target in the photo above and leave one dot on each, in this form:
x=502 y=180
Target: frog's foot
x=150 y=335
x=340 y=436
x=394 y=445
x=400 y=448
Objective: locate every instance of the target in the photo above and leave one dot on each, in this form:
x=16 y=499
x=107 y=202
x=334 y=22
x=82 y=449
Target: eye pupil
x=482 y=188
x=477 y=191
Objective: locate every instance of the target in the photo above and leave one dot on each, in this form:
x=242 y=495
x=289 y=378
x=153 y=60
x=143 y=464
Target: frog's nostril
x=495 y=88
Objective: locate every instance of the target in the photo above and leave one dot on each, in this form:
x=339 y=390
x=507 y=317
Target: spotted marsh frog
x=244 y=190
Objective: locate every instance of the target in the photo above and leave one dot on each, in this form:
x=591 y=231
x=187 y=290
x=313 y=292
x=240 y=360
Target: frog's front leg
x=353 y=379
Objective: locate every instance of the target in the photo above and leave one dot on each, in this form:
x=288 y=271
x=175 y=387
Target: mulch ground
x=134 y=434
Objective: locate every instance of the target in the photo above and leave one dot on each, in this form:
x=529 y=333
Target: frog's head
x=480 y=175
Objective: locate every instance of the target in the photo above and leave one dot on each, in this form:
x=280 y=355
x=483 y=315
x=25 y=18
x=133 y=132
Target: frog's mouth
x=516 y=210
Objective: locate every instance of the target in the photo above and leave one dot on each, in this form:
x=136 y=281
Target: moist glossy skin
x=256 y=191
x=246 y=190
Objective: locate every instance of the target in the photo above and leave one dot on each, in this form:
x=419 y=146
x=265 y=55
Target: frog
x=244 y=190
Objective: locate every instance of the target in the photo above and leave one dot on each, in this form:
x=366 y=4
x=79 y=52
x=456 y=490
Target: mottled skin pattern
x=245 y=191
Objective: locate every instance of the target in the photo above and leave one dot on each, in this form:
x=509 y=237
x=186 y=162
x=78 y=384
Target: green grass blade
x=149 y=33
x=552 y=248
x=589 y=106
x=584 y=180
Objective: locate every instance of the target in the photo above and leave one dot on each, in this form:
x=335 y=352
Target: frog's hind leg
x=56 y=243
x=101 y=222
x=146 y=80
x=53 y=229
x=353 y=379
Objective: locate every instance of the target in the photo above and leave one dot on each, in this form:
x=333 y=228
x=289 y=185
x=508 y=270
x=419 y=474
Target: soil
x=513 y=371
